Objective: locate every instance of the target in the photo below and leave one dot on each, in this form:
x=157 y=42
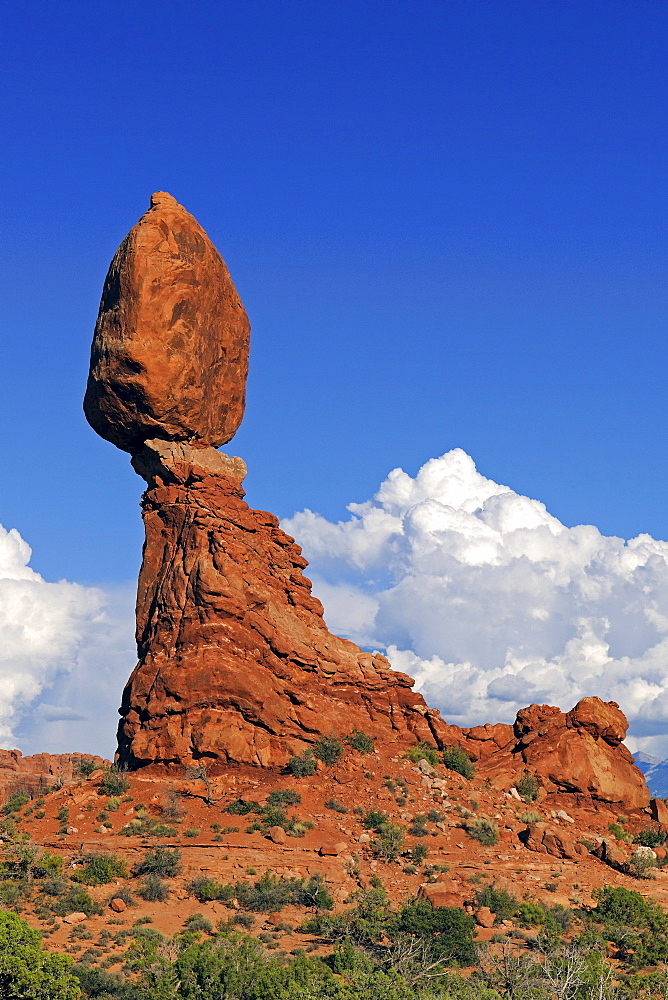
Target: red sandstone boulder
x=545 y=839
x=578 y=753
x=170 y=351
x=659 y=811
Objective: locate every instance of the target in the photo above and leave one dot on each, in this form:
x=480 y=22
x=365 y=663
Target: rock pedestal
x=235 y=660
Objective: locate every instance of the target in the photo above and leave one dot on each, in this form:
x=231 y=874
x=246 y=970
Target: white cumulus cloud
x=491 y=603
x=63 y=639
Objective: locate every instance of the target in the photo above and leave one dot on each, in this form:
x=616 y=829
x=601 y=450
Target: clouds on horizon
x=491 y=603
x=69 y=643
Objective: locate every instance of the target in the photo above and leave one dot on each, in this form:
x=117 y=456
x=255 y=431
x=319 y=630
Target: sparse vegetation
x=423 y=751
x=162 y=861
x=100 y=869
x=302 y=765
x=85 y=767
x=484 y=830
x=336 y=806
x=527 y=786
x=456 y=759
x=361 y=742
x=329 y=750
x=113 y=782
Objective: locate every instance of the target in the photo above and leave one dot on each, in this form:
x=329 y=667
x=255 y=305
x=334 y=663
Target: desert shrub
x=197 y=922
x=528 y=816
x=76 y=900
x=500 y=902
x=113 y=783
x=641 y=862
x=528 y=786
x=388 y=842
x=162 y=861
x=15 y=802
x=448 y=929
x=418 y=826
x=419 y=853
x=208 y=889
x=483 y=830
x=114 y=804
x=99 y=869
x=649 y=837
x=374 y=819
x=192 y=831
x=85 y=767
x=423 y=751
x=240 y=807
x=283 y=797
x=336 y=806
x=147 y=826
x=435 y=816
x=328 y=749
x=361 y=742
x=620 y=833
x=302 y=765
x=153 y=889
x=456 y=759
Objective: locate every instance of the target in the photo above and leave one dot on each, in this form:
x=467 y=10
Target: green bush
x=153 y=889
x=162 y=861
x=240 y=807
x=500 y=902
x=485 y=831
x=26 y=971
x=328 y=749
x=85 y=767
x=435 y=816
x=302 y=765
x=456 y=759
x=418 y=826
x=100 y=869
x=649 y=838
x=283 y=797
x=197 y=922
x=361 y=742
x=76 y=900
x=374 y=819
x=419 y=853
x=620 y=833
x=336 y=806
x=192 y=831
x=448 y=929
x=389 y=842
x=528 y=786
x=423 y=751
x=113 y=783
x=15 y=802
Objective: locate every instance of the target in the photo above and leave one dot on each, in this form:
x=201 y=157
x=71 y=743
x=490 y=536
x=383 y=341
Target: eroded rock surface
x=578 y=753
x=235 y=660
x=170 y=351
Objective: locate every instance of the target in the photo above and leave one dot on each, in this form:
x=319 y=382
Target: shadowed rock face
x=170 y=351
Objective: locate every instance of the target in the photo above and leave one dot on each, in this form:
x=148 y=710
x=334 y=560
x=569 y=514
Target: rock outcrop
x=170 y=351
x=235 y=660
x=42 y=770
x=578 y=753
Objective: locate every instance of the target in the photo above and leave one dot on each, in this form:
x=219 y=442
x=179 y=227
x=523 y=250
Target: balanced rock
x=170 y=352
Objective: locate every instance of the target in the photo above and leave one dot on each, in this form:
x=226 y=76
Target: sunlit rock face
x=170 y=351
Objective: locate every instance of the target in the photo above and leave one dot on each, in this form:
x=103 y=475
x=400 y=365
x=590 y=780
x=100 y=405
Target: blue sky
x=447 y=221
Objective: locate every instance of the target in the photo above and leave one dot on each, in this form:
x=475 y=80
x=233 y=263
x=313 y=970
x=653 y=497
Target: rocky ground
x=543 y=852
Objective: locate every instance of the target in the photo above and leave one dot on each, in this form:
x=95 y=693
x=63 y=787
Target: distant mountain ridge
x=655 y=772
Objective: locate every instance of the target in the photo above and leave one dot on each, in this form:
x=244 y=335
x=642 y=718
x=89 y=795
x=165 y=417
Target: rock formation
x=579 y=753
x=236 y=663
x=170 y=351
x=235 y=660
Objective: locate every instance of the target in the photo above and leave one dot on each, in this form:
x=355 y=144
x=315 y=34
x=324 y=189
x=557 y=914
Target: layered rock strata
x=235 y=660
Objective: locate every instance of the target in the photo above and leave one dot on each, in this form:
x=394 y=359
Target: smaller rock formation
x=33 y=774
x=578 y=753
x=170 y=351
